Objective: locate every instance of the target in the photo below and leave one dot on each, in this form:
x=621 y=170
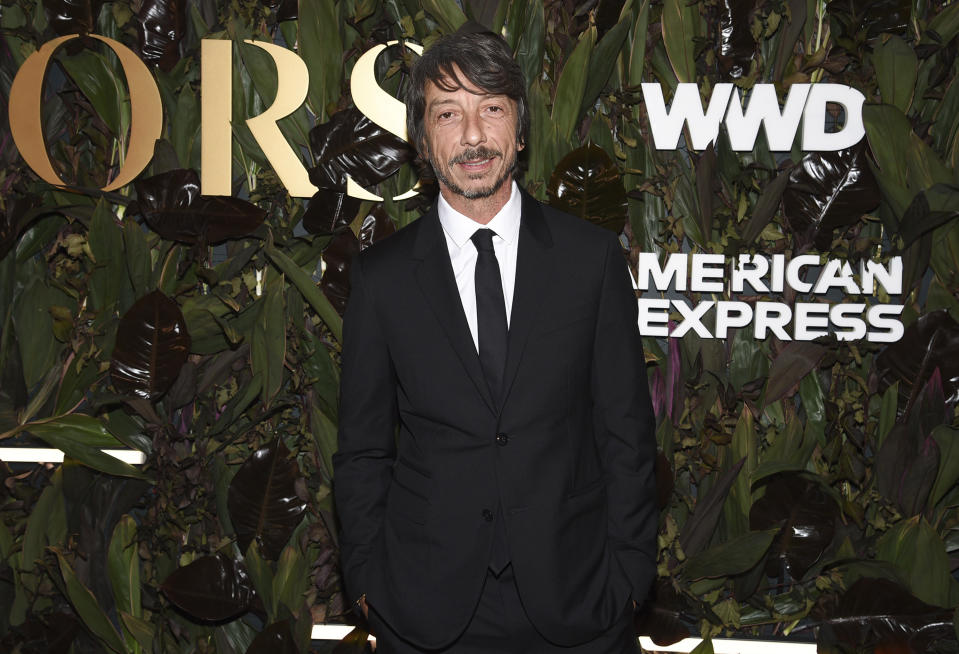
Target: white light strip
x=720 y=645
x=732 y=646
x=50 y=455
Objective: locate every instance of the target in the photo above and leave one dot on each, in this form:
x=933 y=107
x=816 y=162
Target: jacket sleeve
x=625 y=426
x=362 y=465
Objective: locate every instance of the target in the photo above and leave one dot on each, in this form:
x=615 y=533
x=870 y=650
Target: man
x=494 y=477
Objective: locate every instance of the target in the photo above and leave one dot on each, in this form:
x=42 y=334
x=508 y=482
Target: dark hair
x=484 y=58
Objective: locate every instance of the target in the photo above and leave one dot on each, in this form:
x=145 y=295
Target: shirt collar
x=460 y=228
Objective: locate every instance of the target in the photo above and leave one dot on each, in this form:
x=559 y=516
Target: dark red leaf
x=161 y=26
x=737 y=47
x=337 y=256
x=263 y=502
x=211 y=589
x=278 y=638
x=152 y=346
x=794 y=362
x=664 y=481
x=828 y=191
x=330 y=211
x=352 y=144
x=587 y=183
x=881 y=615
x=72 y=16
x=807 y=515
x=870 y=16
x=377 y=225
x=661 y=616
x=906 y=468
x=931 y=342
x=173 y=207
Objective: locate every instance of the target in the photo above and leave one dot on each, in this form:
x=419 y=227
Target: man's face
x=470 y=139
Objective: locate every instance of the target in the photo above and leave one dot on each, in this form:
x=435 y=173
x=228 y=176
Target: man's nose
x=473 y=132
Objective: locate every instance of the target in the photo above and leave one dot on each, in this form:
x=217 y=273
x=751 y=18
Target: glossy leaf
x=806 y=518
x=931 y=208
x=732 y=557
x=263 y=502
x=737 y=47
x=794 y=362
x=377 y=225
x=277 y=638
x=172 y=206
x=72 y=16
x=870 y=16
x=661 y=618
x=211 y=589
x=700 y=526
x=828 y=191
x=152 y=345
x=352 y=144
x=161 y=26
x=337 y=257
x=587 y=183
x=330 y=211
x=931 y=342
x=878 y=613
x=86 y=606
x=681 y=25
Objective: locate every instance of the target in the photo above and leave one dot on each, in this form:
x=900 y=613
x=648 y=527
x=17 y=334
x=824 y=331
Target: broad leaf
x=931 y=208
x=602 y=61
x=263 y=502
x=87 y=608
x=377 y=225
x=701 y=525
x=352 y=144
x=161 y=26
x=896 y=71
x=337 y=257
x=794 y=362
x=730 y=558
x=353 y=643
x=931 y=342
x=829 y=191
x=878 y=615
x=277 y=638
x=212 y=588
x=310 y=291
x=572 y=85
x=587 y=183
x=72 y=16
x=905 y=468
x=915 y=540
x=806 y=517
x=870 y=16
x=330 y=211
x=682 y=24
x=152 y=345
x=173 y=207
x=661 y=617
x=737 y=47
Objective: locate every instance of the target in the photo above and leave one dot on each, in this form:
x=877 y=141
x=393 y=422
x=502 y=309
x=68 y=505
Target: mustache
x=472 y=154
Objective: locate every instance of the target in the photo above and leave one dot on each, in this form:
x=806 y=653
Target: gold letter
x=146 y=112
x=292 y=82
x=379 y=106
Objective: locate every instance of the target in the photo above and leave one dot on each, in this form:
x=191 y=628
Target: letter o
x=26 y=95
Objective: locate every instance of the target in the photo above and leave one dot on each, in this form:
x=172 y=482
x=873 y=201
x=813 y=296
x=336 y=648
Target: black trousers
x=500 y=626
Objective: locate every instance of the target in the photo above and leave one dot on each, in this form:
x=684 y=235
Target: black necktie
x=490 y=312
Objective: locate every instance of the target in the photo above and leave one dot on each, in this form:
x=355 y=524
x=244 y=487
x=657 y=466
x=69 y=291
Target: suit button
x=502 y=439
x=487 y=515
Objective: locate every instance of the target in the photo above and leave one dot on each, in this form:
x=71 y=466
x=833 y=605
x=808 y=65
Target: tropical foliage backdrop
x=808 y=489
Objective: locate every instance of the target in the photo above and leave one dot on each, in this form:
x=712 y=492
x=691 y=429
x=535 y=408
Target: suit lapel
x=534 y=269
x=435 y=276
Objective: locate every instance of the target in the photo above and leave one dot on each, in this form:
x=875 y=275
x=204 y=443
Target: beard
x=469 y=154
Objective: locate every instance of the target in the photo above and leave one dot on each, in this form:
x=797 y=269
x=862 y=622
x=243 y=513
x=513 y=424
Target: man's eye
x=494 y=108
x=446 y=115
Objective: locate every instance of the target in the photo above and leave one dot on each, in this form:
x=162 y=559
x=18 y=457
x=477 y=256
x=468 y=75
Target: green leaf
x=531 y=46
x=446 y=12
x=138 y=260
x=896 y=71
x=87 y=608
x=795 y=361
x=321 y=48
x=123 y=568
x=311 y=292
x=46 y=524
x=33 y=326
x=572 y=84
x=80 y=437
x=889 y=135
x=637 y=52
x=699 y=528
x=109 y=272
x=261 y=575
x=681 y=25
x=99 y=82
x=887 y=412
x=141 y=630
x=268 y=345
x=704 y=647
x=730 y=558
x=913 y=541
x=292 y=578
x=601 y=63
x=324 y=435
x=948 y=440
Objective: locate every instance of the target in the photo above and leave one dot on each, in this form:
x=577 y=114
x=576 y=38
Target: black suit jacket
x=420 y=469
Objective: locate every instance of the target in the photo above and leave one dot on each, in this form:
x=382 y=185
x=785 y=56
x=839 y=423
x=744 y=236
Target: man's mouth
x=475 y=160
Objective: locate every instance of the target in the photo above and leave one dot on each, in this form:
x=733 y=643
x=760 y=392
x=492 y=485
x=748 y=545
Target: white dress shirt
x=458 y=230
